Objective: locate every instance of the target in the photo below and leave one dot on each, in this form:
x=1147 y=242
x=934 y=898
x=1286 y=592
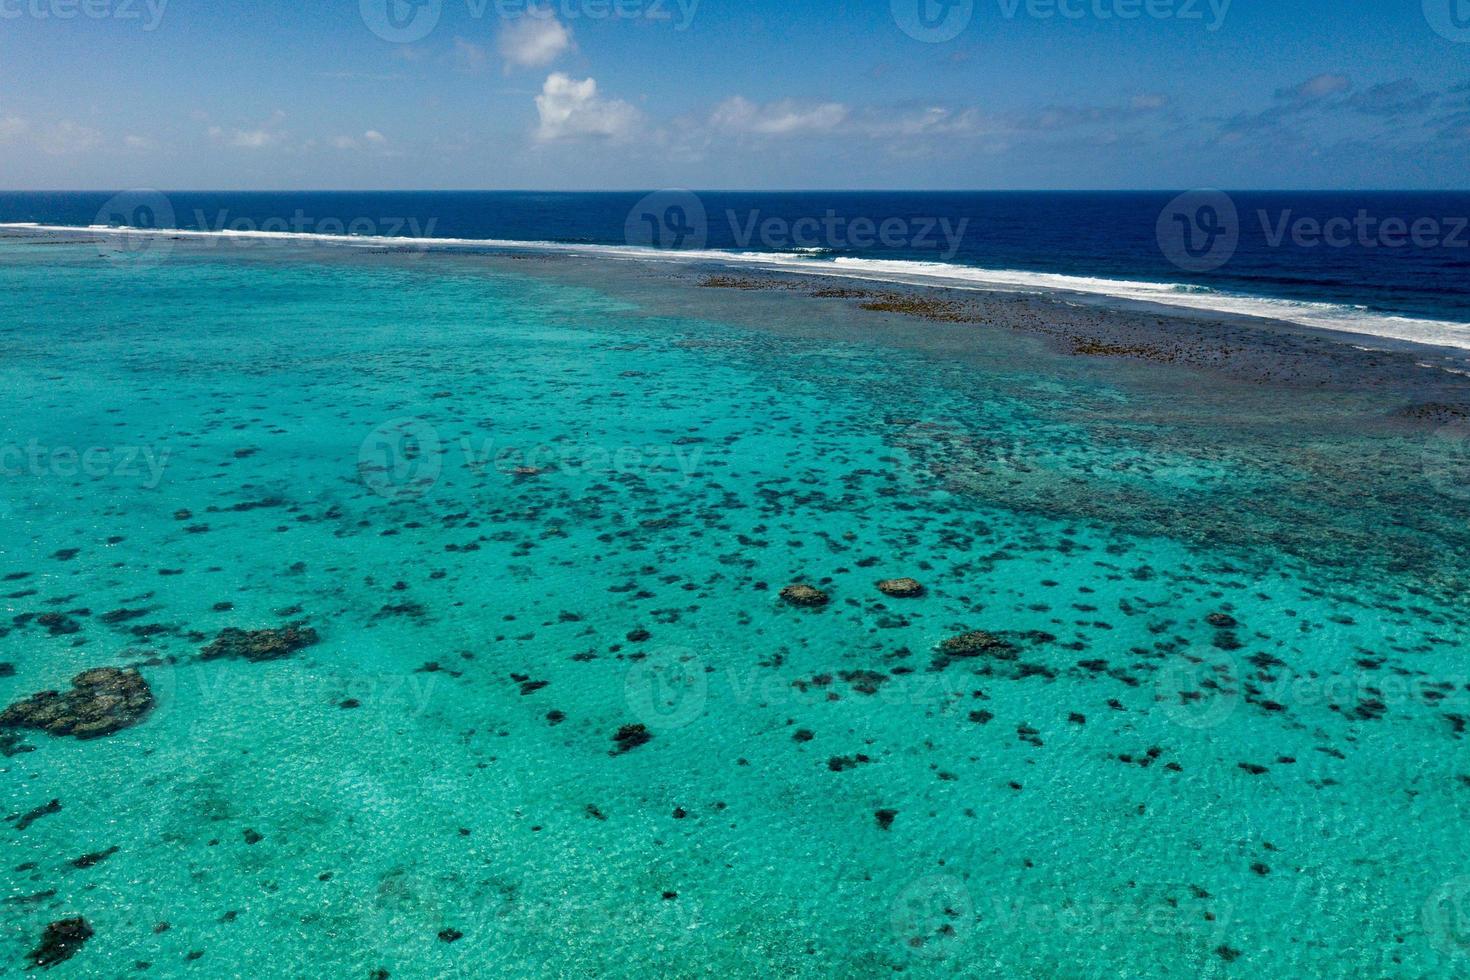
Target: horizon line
x=708 y=190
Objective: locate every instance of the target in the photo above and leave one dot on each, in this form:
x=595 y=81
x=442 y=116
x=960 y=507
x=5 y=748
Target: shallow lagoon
x=483 y=481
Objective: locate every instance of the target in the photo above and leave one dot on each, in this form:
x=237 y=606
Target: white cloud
x=251 y=139
x=570 y=109
x=782 y=118
x=134 y=142
x=905 y=130
x=788 y=118
x=67 y=137
x=921 y=122
x=470 y=56
x=534 y=41
x=371 y=138
x=1319 y=87
x=12 y=127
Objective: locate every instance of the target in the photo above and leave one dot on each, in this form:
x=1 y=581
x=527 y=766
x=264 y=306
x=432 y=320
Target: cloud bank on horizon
x=646 y=93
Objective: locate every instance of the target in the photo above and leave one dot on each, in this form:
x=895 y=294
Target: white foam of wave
x=1324 y=316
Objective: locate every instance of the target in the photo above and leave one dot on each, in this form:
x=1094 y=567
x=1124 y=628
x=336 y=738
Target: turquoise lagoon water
x=480 y=479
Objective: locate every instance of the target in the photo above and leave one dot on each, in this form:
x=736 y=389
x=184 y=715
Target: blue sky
x=267 y=94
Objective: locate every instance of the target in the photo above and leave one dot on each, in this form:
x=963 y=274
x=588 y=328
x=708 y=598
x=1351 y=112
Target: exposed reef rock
x=1436 y=413
x=968 y=646
x=940 y=311
x=805 y=596
x=260 y=645
x=102 y=701
x=901 y=588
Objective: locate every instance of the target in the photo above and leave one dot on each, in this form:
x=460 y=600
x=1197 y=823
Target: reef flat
x=385 y=614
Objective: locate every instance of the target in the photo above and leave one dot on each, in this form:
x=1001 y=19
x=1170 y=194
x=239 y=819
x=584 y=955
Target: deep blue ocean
x=1370 y=253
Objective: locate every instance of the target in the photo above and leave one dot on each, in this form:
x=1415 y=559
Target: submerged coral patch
x=629 y=737
x=62 y=940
